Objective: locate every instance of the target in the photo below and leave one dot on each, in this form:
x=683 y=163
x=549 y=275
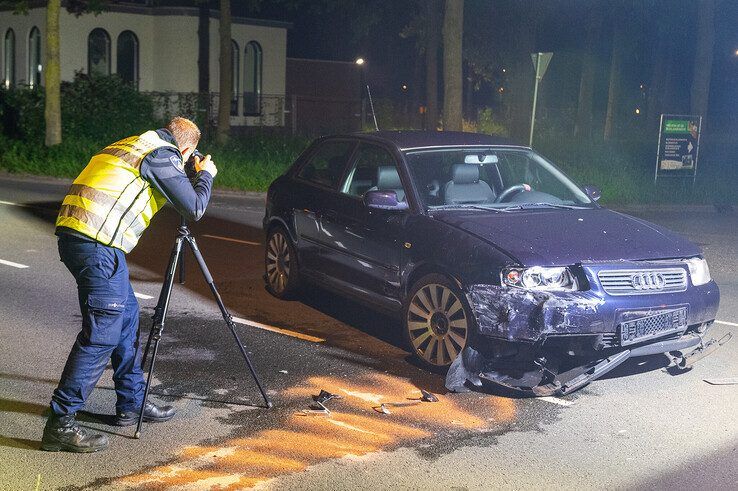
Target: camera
x=190 y=164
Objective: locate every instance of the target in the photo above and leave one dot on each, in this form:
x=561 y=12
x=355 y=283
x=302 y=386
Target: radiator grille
x=643 y=281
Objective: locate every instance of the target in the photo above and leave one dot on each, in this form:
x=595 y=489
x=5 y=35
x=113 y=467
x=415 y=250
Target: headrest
x=465 y=173
x=388 y=178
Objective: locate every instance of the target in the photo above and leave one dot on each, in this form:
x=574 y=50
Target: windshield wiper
x=532 y=206
x=465 y=207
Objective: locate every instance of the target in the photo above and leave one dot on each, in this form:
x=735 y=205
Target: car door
x=316 y=189
x=365 y=245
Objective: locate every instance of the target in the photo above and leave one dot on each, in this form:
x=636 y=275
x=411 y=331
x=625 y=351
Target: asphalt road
x=644 y=426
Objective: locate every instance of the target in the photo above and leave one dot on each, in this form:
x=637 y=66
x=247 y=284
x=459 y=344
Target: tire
x=281 y=270
x=437 y=321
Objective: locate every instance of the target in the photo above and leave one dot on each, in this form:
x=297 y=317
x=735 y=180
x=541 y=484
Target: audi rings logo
x=648 y=281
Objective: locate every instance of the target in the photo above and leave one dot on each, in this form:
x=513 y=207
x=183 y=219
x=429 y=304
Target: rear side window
x=327 y=164
x=373 y=168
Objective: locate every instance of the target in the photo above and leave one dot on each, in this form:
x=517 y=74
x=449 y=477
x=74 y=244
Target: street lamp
x=360 y=62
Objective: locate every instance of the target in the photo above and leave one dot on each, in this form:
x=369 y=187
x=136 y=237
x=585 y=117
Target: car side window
x=326 y=166
x=373 y=168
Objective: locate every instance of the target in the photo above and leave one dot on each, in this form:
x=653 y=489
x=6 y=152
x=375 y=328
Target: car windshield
x=491 y=178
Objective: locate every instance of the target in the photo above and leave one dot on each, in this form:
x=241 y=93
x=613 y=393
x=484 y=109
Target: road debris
x=382 y=409
x=424 y=397
x=325 y=396
x=318 y=407
x=722 y=381
x=427 y=396
x=685 y=362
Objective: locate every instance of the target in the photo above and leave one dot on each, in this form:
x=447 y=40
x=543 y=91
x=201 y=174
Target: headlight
x=698 y=271
x=540 y=278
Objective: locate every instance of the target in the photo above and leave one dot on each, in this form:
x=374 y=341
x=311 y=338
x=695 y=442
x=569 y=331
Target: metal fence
x=294 y=114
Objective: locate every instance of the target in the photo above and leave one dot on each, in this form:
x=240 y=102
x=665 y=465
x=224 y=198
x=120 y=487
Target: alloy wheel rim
x=278 y=262
x=437 y=324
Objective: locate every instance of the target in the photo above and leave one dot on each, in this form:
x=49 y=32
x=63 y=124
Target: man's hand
x=207 y=165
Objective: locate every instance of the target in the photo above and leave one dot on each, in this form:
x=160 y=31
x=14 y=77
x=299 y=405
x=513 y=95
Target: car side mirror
x=593 y=192
x=384 y=200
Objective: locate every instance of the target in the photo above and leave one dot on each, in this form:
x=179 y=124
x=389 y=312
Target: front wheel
x=437 y=321
x=280 y=260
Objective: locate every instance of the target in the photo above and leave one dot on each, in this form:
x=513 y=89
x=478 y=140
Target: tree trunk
x=52 y=106
x=654 y=98
x=203 y=47
x=703 y=57
x=583 y=126
x=432 y=40
x=226 y=75
x=203 y=62
x=614 y=93
x=453 y=31
x=416 y=95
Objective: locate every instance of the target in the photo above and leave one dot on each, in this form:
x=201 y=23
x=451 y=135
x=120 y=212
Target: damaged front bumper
x=514 y=314
x=546 y=343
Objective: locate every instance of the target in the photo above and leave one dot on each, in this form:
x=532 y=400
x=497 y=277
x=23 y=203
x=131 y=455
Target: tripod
x=162 y=307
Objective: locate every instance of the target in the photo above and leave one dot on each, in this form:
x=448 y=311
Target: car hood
x=556 y=237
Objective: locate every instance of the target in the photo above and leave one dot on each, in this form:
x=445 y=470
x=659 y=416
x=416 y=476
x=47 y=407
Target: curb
x=32 y=178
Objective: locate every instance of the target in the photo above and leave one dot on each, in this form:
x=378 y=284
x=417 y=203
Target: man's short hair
x=184 y=131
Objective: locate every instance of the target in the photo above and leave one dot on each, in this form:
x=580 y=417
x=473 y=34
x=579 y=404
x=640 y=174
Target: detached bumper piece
x=549 y=374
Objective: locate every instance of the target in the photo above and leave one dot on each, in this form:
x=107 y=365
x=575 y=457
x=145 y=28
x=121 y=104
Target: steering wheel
x=512 y=190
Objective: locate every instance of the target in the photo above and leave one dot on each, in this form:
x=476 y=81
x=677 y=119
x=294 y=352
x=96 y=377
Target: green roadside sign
x=679 y=142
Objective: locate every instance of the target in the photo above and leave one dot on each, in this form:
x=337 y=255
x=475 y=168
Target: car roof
x=405 y=140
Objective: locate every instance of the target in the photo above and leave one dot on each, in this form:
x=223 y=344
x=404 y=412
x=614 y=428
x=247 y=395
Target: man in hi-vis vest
x=108 y=207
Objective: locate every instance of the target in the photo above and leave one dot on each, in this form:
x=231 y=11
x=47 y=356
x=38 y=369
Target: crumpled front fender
x=523 y=315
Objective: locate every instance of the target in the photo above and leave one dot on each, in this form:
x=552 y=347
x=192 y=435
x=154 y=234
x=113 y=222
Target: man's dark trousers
x=109 y=328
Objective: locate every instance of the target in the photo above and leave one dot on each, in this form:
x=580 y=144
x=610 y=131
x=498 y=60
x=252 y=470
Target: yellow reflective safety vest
x=109 y=201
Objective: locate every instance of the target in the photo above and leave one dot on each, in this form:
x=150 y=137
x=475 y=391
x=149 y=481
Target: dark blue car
x=485 y=248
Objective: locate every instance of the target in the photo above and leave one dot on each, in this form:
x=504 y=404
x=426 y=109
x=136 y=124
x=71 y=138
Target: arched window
x=98 y=52
x=9 y=59
x=252 y=64
x=236 y=70
x=34 y=58
x=127 y=54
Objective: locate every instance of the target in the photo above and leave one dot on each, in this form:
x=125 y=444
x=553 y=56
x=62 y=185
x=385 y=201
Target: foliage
x=624 y=171
x=22 y=114
x=486 y=123
x=93 y=108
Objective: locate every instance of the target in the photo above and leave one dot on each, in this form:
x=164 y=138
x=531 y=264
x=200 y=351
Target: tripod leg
x=164 y=293
x=158 y=326
x=181 y=269
x=226 y=315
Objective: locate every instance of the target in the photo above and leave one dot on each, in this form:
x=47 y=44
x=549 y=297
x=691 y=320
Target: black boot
x=152 y=414
x=64 y=433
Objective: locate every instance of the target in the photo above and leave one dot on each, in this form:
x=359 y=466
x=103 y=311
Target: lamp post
x=360 y=62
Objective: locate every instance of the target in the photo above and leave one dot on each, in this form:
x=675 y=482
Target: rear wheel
x=280 y=262
x=437 y=321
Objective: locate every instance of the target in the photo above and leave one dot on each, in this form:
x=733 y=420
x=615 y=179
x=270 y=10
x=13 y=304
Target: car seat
x=466 y=187
x=389 y=180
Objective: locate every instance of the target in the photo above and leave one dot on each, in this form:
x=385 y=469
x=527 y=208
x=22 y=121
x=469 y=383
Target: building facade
x=156 y=49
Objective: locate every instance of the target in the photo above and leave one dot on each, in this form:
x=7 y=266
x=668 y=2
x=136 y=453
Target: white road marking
x=556 y=400
x=11 y=263
x=10 y=203
x=231 y=240
x=732 y=324
x=258 y=325
x=142 y=296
